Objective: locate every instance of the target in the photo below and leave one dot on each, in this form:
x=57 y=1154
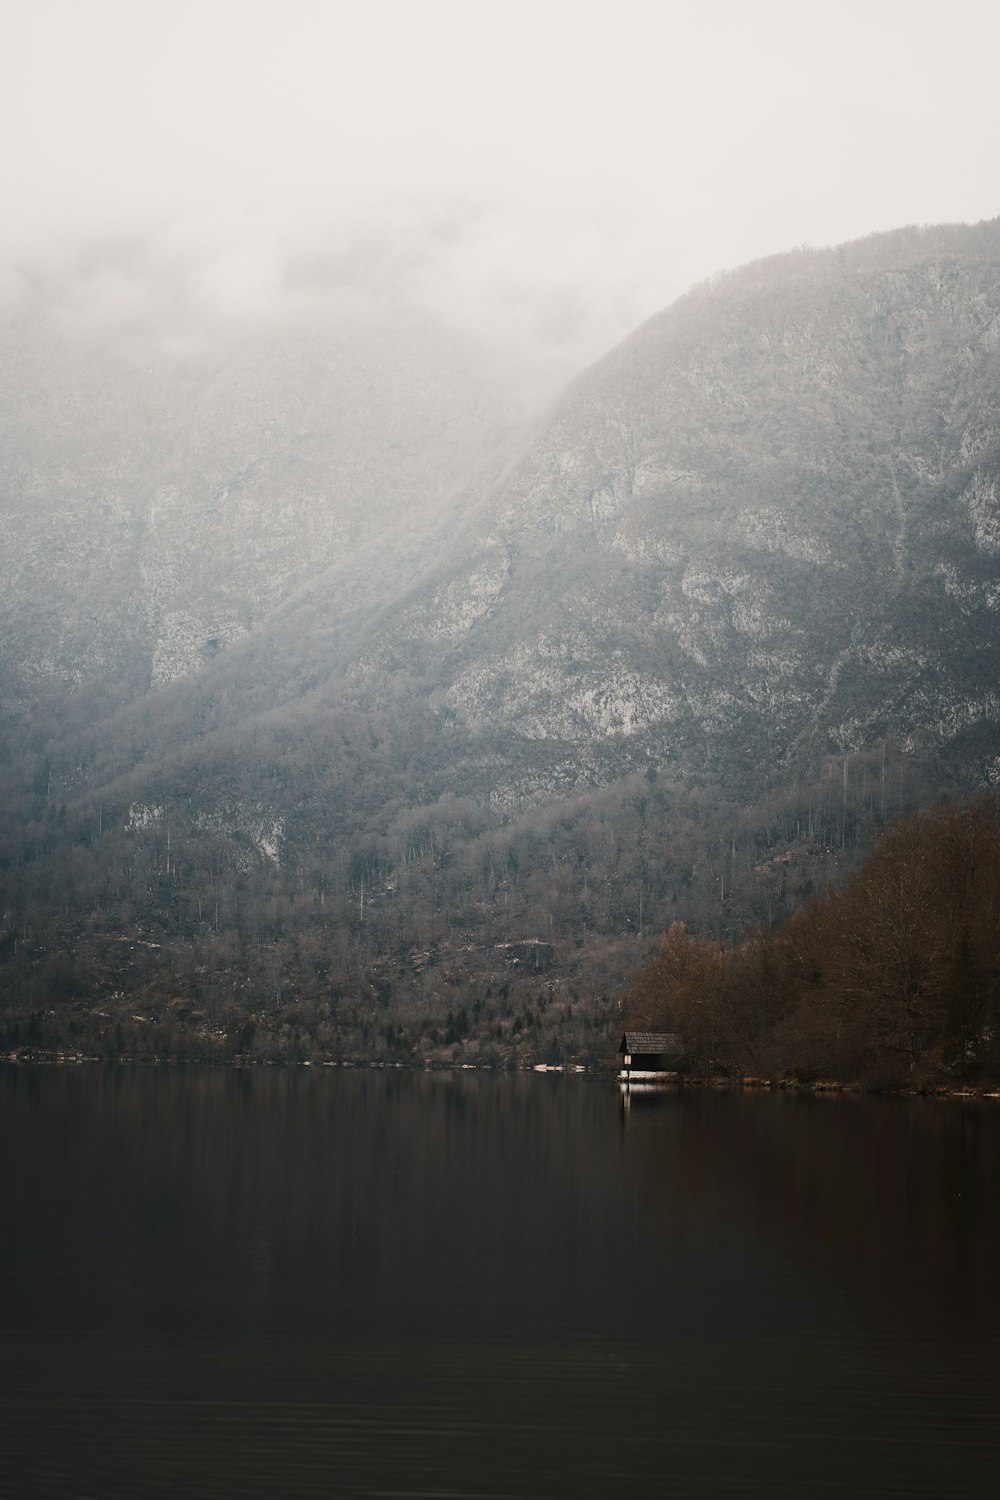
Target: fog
x=541 y=175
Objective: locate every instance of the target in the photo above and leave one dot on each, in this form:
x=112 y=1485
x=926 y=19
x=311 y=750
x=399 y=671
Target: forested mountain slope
x=368 y=734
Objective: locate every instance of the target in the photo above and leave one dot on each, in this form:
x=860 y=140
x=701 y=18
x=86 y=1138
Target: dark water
x=221 y=1284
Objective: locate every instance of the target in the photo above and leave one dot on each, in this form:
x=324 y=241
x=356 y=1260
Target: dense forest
x=892 y=979
x=450 y=933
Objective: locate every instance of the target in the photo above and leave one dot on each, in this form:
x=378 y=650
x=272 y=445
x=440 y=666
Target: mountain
x=345 y=720
x=763 y=528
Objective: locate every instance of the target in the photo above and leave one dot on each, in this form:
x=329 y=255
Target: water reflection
x=239 y=1283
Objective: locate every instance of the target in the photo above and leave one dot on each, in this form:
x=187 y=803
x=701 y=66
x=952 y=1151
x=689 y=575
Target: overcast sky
x=545 y=172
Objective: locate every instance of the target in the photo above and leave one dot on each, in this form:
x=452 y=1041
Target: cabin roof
x=650 y=1041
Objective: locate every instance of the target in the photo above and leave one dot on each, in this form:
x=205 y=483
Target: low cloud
x=540 y=178
x=541 y=293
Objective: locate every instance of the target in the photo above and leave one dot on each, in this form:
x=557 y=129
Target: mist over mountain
x=348 y=714
x=169 y=482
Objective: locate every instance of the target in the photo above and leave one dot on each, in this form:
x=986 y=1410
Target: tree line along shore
x=891 y=981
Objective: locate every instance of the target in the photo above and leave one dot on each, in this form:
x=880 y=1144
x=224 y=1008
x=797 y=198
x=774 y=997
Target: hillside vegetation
x=894 y=979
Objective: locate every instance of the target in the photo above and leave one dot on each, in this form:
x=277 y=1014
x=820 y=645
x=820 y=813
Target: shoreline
x=675 y=1083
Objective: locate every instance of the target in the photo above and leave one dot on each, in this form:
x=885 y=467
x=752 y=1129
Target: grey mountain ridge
x=769 y=518
x=770 y=514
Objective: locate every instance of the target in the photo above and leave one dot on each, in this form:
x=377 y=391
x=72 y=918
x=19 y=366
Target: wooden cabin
x=649 y=1054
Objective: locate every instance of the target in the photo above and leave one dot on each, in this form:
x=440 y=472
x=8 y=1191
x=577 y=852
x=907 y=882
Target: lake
x=232 y=1283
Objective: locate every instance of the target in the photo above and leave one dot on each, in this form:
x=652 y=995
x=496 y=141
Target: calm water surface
x=227 y=1284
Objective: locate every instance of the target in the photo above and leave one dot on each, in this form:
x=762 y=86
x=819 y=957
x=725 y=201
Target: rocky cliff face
x=764 y=528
